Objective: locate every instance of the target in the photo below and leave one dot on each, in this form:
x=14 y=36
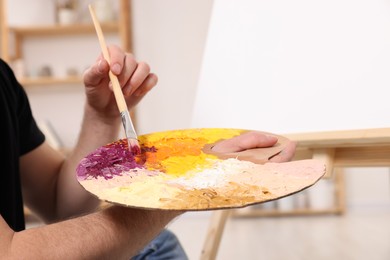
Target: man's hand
x=252 y=140
x=134 y=77
x=100 y=125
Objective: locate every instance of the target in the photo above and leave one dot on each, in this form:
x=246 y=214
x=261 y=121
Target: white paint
x=216 y=175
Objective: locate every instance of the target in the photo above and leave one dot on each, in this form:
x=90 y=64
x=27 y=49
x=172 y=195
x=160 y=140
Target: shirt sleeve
x=30 y=135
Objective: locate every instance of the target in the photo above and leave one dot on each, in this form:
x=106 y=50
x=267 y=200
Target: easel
x=338 y=149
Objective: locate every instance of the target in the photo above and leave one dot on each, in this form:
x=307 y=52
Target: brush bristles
x=134 y=146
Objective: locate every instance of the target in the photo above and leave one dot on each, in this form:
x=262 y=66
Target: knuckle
x=130 y=56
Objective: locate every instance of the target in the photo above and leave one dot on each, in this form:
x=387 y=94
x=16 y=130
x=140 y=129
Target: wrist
x=137 y=225
x=97 y=129
x=153 y=220
x=106 y=116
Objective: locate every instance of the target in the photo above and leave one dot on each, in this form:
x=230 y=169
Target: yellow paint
x=180 y=151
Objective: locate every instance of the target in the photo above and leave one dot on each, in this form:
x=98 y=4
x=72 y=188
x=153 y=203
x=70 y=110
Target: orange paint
x=181 y=150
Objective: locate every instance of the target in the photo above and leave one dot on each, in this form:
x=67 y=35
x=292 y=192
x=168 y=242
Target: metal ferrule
x=128 y=125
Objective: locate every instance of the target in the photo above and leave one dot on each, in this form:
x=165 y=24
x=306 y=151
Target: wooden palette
x=178 y=170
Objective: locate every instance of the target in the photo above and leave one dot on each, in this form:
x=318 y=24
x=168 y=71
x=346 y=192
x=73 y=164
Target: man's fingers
x=245 y=141
x=138 y=78
x=117 y=59
x=146 y=86
x=286 y=155
x=125 y=76
x=98 y=71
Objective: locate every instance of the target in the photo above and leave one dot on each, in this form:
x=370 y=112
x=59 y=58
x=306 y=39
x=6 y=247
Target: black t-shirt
x=19 y=134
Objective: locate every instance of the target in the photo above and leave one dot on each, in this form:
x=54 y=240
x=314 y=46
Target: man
x=29 y=166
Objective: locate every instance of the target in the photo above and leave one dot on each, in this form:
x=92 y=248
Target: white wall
x=170 y=35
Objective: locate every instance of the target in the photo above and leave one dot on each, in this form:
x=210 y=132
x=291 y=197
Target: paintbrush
x=131 y=136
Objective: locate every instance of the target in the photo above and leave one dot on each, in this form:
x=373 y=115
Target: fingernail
x=116 y=68
x=271 y=138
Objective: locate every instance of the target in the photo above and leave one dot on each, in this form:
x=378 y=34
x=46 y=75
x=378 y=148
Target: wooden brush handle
x=120 y=99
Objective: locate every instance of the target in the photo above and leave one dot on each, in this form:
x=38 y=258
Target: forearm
x=113 y=233
x=95 y=132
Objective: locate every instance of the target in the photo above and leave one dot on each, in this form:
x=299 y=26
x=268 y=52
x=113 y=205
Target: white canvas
x=296 y=66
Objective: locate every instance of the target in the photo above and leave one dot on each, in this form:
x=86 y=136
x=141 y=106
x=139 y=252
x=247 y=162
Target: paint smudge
x=174 y=153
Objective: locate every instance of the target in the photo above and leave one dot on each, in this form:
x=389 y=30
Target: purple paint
x=109 y=160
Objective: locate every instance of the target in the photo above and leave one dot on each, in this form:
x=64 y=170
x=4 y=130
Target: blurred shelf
x=43 y=81
x=55 y=30
x=15 y=36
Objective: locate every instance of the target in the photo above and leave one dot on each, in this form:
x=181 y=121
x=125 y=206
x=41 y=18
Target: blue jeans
x=165 y=246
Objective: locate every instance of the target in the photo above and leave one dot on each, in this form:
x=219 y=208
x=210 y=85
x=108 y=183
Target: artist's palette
x=178 y=170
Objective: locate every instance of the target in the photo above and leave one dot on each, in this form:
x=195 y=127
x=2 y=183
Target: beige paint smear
x=241 y=183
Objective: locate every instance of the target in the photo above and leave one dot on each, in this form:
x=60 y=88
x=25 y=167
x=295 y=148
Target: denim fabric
x=165 y=246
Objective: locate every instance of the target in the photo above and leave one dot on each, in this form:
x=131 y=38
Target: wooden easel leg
x=327 y=156
x=214 y=234
x=340 y=190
